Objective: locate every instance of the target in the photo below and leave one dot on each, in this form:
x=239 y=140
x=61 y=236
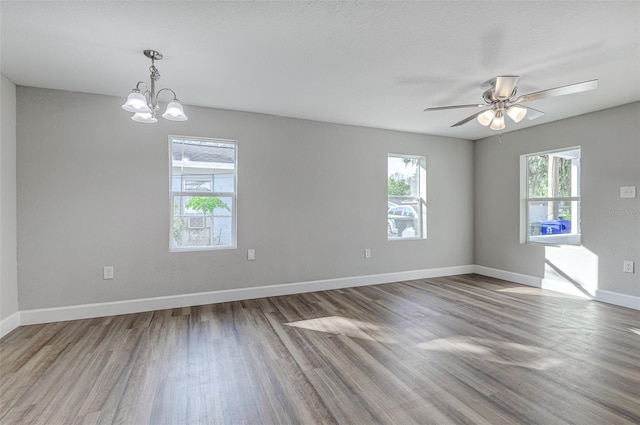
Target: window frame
x=573 y=238
x=421 y=195
x=213 y=193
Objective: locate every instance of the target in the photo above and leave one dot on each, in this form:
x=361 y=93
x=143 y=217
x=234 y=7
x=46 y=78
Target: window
x=203 y=193
x=550 y=193
x=406 y=202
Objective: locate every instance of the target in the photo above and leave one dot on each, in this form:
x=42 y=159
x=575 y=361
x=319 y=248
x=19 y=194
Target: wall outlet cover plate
x=628 y=192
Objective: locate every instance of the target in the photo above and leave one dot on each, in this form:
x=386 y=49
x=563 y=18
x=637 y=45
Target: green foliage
x=564 y=177
x=539 y=177
x=178 y=225
x=206 y=204
x=398 y=186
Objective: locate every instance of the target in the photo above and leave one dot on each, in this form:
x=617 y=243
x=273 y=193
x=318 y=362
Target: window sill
x=201 y=248
x=575 y=240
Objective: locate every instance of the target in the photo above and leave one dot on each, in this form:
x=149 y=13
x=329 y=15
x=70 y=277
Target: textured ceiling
x=376 y=64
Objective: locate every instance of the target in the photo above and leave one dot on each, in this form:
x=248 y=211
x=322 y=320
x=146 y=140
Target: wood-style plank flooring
x=456 y=350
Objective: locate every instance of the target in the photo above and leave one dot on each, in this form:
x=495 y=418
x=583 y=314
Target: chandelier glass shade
x=144 y=104
x=136 y=103
x=174 y=112
x=144 y=117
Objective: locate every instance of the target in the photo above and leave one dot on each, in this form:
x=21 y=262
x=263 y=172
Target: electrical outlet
x=107 y=273
x=628 y=192
x=627 y=266
x=251 y=254
x=367 y=253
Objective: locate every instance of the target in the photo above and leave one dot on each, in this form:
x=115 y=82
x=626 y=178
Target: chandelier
x=145 y=104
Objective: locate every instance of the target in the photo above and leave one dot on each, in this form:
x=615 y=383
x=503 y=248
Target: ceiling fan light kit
x=516 y=113
x=145 y=104
x=486 y=117
x=498 y=121
x=501 y=100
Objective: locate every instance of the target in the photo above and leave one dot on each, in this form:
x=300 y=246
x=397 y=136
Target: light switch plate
x=628 y=192
x=107 y=273
x=251 y=254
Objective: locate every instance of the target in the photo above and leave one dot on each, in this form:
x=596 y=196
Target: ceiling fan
x=501 y=100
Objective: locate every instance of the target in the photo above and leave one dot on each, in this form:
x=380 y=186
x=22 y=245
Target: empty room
x=320 y=212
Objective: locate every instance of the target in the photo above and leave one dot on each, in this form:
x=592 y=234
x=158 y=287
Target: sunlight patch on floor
x=353 y=328
x=528 y=290
x=500 y=352
x=635 y=331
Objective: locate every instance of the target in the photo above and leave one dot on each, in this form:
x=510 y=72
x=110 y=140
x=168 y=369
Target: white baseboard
x=510 y=276
x=615 y=298
x=10 y=323
x=86 y=311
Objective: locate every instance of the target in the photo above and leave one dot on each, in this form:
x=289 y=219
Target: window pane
x=553 y=218
x=538 y=176
x=176 y=183
x=551 y=210
x=223 y=182
x=405 y=206
x=203 y=174
x=196 y=183
x=202 y=153
x=201 y=221
x=553 y=175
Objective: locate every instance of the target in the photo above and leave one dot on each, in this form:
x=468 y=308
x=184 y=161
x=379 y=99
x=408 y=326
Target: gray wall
x=93 y=191
x=8 y=260
x=610 y=142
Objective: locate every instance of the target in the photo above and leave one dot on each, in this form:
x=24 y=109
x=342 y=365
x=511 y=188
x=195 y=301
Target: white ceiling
x=375 y=64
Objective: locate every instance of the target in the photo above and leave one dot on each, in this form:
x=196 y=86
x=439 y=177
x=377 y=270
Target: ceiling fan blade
x=532 y=114
x=440 y=108
x=470 y=118
x=504 y=86
x=558 y=91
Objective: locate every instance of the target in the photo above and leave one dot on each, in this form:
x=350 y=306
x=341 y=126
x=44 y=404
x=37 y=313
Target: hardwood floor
x=458 y=350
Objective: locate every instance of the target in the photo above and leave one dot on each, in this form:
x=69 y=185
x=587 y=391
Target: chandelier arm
x=143 y=84
x=175 y=97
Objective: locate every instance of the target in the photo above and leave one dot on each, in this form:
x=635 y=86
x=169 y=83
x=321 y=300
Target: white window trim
x=558 y=239
x=232 y=195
